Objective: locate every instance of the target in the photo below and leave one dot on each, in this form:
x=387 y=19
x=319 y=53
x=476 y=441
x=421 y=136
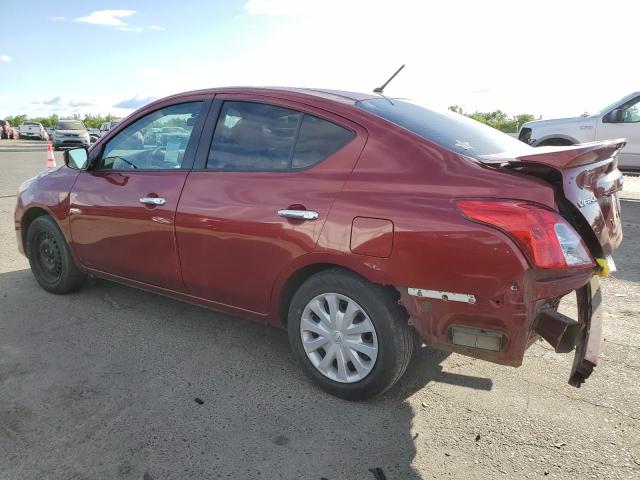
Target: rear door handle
x=153 y=200
x=298 y=214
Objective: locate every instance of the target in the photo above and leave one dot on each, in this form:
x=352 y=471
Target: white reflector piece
x=444 y=296
x=571 y=244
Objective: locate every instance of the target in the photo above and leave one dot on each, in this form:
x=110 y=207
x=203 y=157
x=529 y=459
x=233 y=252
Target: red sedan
x=363 y=225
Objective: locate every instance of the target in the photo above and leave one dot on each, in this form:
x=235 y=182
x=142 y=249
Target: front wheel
x=351 y=336
x=50 y=258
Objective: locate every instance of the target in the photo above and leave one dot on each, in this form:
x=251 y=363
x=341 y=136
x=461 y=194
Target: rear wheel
x=50 y=258
x=351 y=336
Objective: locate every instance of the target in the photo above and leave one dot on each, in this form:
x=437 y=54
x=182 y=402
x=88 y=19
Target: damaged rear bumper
x=500 y=329
x=584 y=334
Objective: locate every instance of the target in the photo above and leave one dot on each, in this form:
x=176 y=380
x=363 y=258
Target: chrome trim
x=298 y=214
x=153 y=200
x=445 y=296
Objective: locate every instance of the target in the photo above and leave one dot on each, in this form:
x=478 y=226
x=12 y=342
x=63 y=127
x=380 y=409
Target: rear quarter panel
x=414 y=184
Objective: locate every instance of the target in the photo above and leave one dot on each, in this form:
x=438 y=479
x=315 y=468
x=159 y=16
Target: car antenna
x=380 y=90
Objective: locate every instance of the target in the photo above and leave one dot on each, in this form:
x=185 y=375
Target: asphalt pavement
x=112 y=382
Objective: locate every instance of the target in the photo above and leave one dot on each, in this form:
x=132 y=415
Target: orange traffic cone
x=51 y=160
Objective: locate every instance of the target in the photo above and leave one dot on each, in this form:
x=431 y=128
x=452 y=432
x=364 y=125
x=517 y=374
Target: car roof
x=340 y=96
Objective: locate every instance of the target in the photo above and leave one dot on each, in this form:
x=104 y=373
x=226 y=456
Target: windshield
x=448 y=129
x=69 y=125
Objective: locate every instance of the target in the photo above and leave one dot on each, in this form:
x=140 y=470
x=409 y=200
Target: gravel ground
x=112 y=382
x=631 y=189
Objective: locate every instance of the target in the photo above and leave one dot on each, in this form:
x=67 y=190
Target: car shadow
x=426 y=367
x=112 y=381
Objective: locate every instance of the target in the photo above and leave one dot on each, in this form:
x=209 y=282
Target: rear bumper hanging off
x=589 y=338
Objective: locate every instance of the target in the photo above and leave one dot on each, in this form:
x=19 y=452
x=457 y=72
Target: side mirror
x=616 y=116
x=76 y=158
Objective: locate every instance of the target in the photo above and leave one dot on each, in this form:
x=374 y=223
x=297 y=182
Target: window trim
x=189 y=152
x=216 y=110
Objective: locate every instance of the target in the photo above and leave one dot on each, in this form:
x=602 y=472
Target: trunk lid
x=587 y=182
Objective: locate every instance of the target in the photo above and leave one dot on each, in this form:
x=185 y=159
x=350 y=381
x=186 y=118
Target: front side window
x=632 y=112
x=155 y=141
x=266 y=138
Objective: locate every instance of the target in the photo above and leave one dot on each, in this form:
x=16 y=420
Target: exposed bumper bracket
x=558 y=329
x=590 y=336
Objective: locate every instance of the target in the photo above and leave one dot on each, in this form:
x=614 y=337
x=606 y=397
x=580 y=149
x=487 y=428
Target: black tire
x=50 y=258
x=394 y=336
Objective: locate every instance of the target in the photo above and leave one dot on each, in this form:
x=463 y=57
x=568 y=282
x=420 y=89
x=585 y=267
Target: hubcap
x=339 y=338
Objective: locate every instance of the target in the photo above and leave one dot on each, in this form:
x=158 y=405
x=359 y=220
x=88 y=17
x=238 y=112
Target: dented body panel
x=387 y=211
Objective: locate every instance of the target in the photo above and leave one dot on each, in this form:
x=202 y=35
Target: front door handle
x=153 y=200
x=298 y=214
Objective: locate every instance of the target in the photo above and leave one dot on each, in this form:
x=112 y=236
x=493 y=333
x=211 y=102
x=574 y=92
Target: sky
x=549 y=58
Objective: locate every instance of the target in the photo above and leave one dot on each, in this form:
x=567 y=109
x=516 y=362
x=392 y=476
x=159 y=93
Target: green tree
x=497 y=119
x=16 y=120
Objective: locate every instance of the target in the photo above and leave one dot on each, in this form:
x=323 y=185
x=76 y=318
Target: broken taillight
x=546 y=238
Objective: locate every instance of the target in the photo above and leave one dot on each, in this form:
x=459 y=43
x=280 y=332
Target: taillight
x=547 y=239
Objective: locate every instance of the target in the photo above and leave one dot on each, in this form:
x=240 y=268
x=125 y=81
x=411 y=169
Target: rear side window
x=261 y=138
x=317 y=140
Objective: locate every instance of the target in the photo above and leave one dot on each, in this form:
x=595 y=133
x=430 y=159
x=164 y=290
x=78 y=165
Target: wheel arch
x=27 y=219
x=563 y=139
x=290 y=281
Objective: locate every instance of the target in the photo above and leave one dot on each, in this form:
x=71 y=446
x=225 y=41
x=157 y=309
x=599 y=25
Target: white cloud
x=277 y=7
x=113 y=18
x=479 y=55
x=5 y=58
x=127 y=28
x=110 y=18
x=134 y=102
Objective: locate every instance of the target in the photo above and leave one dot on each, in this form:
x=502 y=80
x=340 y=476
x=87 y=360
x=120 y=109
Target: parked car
x=94 y=134
x=32 y=130
x=49 y=131
x=6 y=131
x=107 y=126
x=621 y=119
x=363 y=225
x=70 y=133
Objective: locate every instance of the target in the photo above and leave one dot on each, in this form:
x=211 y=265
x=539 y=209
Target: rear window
x=448 y=129
x=69 y=125
x=31 y=124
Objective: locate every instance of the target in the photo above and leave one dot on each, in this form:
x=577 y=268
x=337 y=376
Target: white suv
x=621 y=119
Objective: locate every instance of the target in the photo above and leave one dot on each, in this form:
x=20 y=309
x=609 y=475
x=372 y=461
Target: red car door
x=123 y=209
x=259 y=195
